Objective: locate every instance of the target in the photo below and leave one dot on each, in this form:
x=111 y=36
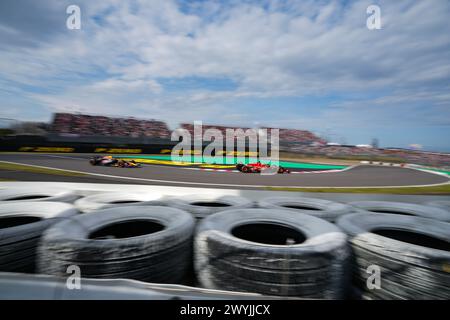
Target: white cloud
x=288 y=48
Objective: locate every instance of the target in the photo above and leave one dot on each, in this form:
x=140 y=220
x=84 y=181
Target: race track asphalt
x=359 y=176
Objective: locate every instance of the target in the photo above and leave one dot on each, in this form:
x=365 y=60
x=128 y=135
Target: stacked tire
x=408 y=256
x=440 y=204
x=117 y=199
x=401 y=208
x=324 y=209
x=21 y=227
x=152 y=244
x=38 y=194
x=272 y=252
x=201 y=206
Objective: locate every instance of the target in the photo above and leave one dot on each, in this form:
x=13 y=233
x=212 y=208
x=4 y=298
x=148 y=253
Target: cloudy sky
x=288 y=63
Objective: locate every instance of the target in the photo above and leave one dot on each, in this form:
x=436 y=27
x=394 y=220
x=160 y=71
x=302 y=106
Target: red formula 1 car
x=258 y=167
x=109 y=161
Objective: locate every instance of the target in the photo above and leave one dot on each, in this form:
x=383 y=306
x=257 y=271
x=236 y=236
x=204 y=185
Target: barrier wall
x=43 y=145
x=70 y=147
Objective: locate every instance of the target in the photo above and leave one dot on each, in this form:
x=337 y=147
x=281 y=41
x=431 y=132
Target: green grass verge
x=23 y=168
x=436 y=190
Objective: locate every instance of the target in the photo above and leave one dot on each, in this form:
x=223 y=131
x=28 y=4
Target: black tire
x=320 y=208
x=117 y=199
x=413 y=254
x=95 y=161
x=316 y=267
x=202 y=206
x=21 y=226
x=286 y=170
x=158 y=252
x=402 y=208
x=282 y=170
x=38 y=194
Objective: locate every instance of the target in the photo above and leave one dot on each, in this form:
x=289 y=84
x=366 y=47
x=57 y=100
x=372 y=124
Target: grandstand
x=82 y=125
x=82 y=128
x=87 y=125
x=285 y=135
x=190 y=128
x=353 y=152
x=298 y=136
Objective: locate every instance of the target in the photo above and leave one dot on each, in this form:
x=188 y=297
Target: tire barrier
x=440 y=204
x=21 y=226
x=202 y=206
x=402 y=208
x=282 y=250
x=272 y=252
x=117 y=199
x=319 y=208
x=38 y=194
x=412 y=254
x=152 y=244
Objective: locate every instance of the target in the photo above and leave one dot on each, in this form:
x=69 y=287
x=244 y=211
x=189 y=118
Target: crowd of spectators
x=291 y=140
x=420 y=157
x=87 y=125
x=337 y=151
x=330 y=150
x=285 y=135
x=223 y=130
x=298 y=136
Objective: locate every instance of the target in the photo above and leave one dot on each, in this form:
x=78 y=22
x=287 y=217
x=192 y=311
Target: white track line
x=217 y=184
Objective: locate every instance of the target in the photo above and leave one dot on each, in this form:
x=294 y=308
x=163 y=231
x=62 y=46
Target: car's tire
x=413 y=254
x=153 y=243
x=117 y=199
x=245 y=250
x=21 y=226
x=324 y=209
x=38 y=194
x=401 y=208
x=201 y=206
x=282 y=170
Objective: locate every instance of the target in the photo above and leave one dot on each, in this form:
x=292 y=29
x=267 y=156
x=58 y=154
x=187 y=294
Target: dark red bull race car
x=109 y=161
x=259 y=167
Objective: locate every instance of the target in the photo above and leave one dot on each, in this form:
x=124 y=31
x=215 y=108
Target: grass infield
x=23 y=168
